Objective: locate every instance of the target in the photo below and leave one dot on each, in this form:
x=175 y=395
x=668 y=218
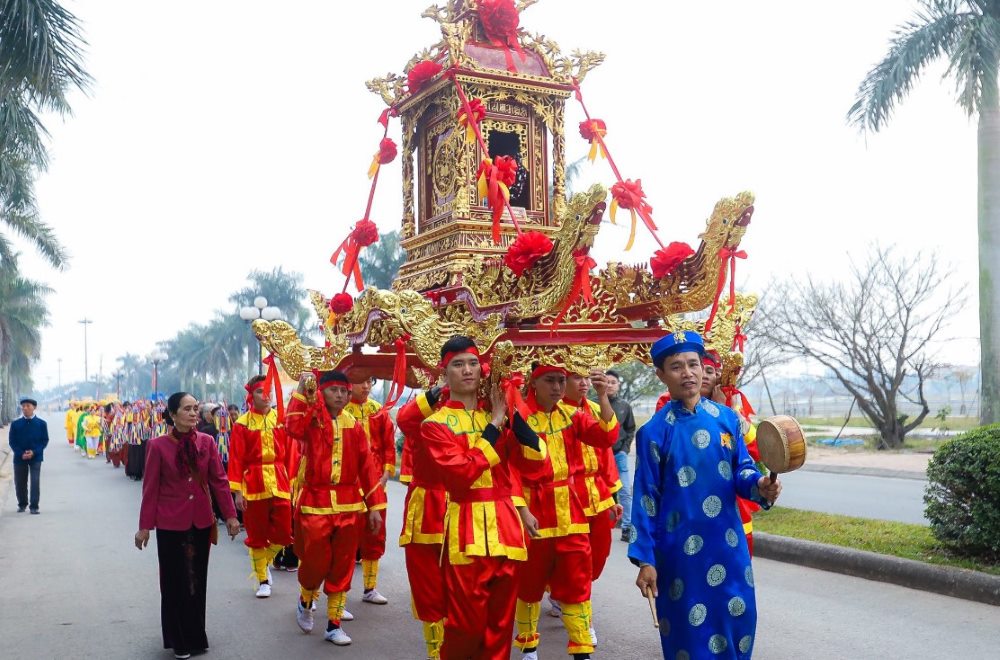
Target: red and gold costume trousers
x=325 y=544
x=480 y=608
x=268 y=522
x=563 y=563
x=600 y=541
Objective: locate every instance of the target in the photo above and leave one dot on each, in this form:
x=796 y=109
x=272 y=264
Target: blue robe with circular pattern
x=690 y=466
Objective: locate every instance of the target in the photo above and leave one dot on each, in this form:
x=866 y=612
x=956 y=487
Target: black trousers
x=136 y=461
x=21 y=471
x=183 y=575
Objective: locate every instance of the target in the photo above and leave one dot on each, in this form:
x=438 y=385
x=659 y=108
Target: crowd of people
x=511 y=499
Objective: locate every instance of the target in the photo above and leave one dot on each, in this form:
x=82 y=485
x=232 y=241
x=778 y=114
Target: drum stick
x=652 y=606
x=773 y=476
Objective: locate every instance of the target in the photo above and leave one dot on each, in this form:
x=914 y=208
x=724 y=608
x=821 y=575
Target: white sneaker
x=337 y=636
x=303 y=617
x=555 y=610
x=264 y=590
x=530 y=656
x=374 y=597
x=346 y=616
x=593 y=637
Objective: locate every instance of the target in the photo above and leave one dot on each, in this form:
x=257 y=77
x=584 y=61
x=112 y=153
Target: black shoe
x=21 y=509
x=35 y=512
x=625 y=534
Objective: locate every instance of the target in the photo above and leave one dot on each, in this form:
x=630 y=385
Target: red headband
x=543 y=369
x=448 y=357
x=711 y=357
x=336 y=381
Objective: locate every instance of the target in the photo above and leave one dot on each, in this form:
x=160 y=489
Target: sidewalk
x=902 y=465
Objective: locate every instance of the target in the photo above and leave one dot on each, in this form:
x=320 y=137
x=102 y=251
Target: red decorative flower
x=628 y=193
x=526 y=249
x=507 y=169
x=667 y=259
x=499 y=19
x=364 y=233
x=386 y=151
x=341 y=303
x=420 y=73
x=589 y=130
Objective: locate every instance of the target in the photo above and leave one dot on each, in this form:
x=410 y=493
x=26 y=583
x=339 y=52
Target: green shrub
x=963 y=493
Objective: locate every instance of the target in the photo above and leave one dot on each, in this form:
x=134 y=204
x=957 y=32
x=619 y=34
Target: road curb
x=865 y=471
x=945 y=580
x=6 y=476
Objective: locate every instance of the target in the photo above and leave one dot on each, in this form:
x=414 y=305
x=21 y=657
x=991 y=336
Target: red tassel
x=746 y=409
x=731 y=255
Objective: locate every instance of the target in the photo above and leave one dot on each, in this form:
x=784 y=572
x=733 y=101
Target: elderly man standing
x=29 y=435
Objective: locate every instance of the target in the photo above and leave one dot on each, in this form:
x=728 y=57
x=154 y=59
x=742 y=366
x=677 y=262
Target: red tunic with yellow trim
x=259 y=457
x=599 y=481
x=426 y=499
x=481 y=520
x=380 y=431
x=549 y=481
x=336 y=474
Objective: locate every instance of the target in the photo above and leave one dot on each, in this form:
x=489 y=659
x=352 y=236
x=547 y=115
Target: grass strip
x=882 y=536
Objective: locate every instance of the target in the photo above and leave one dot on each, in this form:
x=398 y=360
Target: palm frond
x=974 y=62
x=25 y=221
x=914 y=45
x=41 y=51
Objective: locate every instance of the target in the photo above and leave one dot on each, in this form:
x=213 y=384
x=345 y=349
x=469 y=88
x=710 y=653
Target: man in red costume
x=596 y=487
x=259 y=455
x=560 y=556
x=338 y=484
x=382 y=442
x=423 y=519
x=485 y=537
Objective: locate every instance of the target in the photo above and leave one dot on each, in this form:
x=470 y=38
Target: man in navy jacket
x=29 y=436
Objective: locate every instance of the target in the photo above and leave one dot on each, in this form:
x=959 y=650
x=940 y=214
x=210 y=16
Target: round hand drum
x=782 y=443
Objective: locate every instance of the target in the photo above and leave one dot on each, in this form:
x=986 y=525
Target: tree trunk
x=989 y=255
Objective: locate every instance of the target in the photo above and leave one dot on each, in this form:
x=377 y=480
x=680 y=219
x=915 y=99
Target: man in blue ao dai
x=686 y=538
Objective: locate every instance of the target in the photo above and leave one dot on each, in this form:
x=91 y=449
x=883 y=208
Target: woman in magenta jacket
x=182 y=469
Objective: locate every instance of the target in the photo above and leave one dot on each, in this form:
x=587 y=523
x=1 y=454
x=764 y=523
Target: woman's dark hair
x=457 y=344
x=174 y=402
x=173 y=405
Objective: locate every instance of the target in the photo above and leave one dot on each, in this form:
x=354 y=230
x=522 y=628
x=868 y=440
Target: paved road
x=73 y=586
x=884 y=498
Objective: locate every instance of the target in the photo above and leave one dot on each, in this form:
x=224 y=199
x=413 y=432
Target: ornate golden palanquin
x=454 y=280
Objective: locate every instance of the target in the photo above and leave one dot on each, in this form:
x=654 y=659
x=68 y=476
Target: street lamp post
x=156 y=357
x=260 y=310
x=86 y=369
x=118 y=383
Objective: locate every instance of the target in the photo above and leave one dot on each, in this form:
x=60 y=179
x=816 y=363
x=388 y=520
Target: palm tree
x=967 y=34
x=40 y=62
x=380 y=262
x=22 y=315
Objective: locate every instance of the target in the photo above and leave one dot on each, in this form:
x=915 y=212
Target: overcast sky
x=225 y=136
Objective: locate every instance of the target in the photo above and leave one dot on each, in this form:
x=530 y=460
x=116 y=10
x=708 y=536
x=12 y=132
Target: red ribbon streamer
x=486 y=152
x=273 y=380
x=398 y=376
x=731 y=391
x=730 y=255
x=581 y=284
x=643 y=213
x=512 y=386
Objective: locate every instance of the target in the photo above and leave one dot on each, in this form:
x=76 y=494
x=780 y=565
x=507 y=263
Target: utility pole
x=59 y=382
x=86 y=368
